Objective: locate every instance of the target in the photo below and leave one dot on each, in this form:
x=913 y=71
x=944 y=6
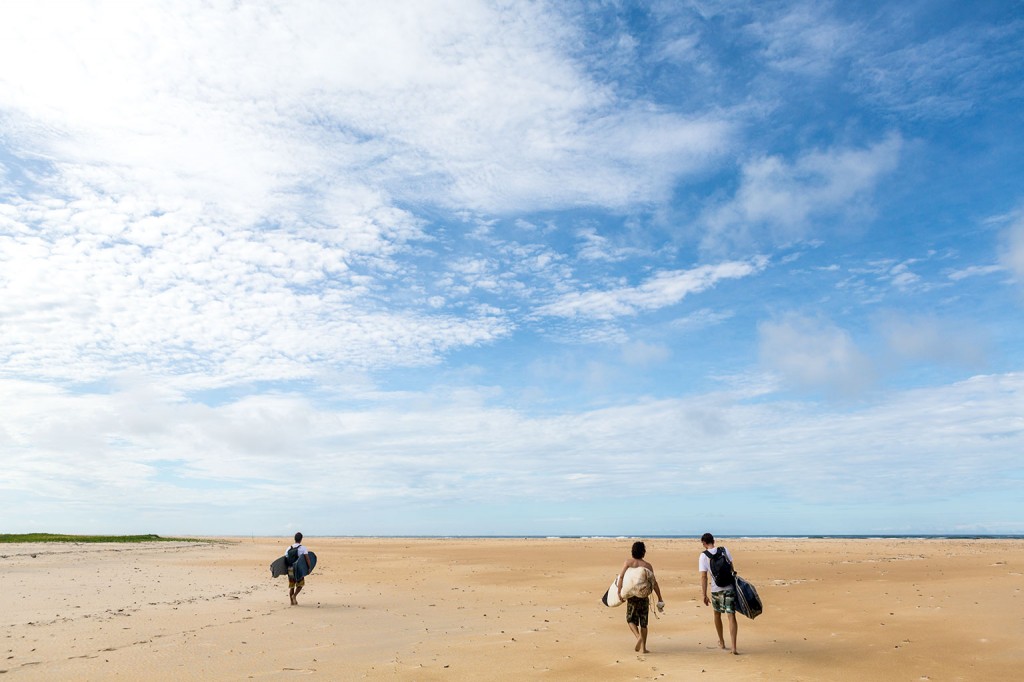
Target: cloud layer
x=472 y=260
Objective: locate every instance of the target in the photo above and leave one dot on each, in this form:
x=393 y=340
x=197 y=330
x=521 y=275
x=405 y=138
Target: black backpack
x=291 y=556
x=721 y=567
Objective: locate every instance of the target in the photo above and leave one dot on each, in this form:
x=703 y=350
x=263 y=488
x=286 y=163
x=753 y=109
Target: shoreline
x=622 y=538
x=192 y=537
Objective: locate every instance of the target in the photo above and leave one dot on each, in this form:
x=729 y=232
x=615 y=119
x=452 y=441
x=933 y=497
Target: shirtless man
x=638 y=608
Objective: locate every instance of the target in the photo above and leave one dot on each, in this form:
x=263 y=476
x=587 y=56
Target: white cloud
x=216 y=187
x=201 y=199
x=701 y=319
x=1012 y=254
x=595 y=247
x=461 y=104
x=181 y=296
x=640 y=354
x=902 y=277
x=919 y=338
x=975 y=271
x=951 y=73
x=613 y=160
x=816 y=355
x=776 y=201
x=145 y=449
x=661 y=290
x=806 y=40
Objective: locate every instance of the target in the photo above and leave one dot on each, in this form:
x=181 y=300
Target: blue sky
x=512 y=268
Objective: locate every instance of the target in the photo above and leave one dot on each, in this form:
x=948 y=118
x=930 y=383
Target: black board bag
x=747 y=600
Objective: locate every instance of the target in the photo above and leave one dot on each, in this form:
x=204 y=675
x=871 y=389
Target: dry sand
x=507 y=610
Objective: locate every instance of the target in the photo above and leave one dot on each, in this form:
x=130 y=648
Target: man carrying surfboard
x=297 y=558
x=718 y=562
x=638 y=603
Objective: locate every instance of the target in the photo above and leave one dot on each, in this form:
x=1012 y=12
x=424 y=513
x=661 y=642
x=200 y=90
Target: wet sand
x=507 y=609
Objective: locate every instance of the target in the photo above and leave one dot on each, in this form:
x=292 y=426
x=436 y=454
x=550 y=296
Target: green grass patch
x=57 y=537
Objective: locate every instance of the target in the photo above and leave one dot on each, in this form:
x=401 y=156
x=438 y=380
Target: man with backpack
x=718 y=562
x=296 y=553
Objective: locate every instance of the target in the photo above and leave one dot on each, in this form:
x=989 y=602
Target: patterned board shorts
x=637 y=611
x=722 y=602
x=291 y=579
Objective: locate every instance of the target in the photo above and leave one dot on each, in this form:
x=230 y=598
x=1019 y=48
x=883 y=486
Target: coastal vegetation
x=60 y=537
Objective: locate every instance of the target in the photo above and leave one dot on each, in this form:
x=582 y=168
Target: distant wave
x=871 y=536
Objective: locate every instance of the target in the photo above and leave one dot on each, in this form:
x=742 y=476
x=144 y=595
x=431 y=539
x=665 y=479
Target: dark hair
x=639 y=550
x=298 y=537
x=707 y=539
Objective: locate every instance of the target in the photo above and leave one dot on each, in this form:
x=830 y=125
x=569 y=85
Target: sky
x=451 y=267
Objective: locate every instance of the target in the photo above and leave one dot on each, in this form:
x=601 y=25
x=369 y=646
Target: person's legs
x=640 y=612
x=633 y=620
x=726 y=604
x=733 y=631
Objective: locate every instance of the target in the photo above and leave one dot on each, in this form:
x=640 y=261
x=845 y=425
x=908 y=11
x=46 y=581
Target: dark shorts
x=637 y=611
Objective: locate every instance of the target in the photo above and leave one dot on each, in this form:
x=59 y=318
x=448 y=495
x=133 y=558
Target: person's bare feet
x=638 y=645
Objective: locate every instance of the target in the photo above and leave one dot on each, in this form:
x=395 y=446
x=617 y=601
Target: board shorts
x=722 y=602
x=291 y=579
x=638 y=610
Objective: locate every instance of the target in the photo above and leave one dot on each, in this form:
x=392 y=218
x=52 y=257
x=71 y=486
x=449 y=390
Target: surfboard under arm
x=634 y=578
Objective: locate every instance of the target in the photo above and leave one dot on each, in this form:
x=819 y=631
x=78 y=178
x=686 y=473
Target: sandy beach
x=507 y=609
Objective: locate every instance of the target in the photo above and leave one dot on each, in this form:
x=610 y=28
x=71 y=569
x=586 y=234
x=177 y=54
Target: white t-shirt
x=704 y=565
x=302 y=548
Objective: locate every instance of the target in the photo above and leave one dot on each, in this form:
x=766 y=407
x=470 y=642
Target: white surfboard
x=635 y=583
